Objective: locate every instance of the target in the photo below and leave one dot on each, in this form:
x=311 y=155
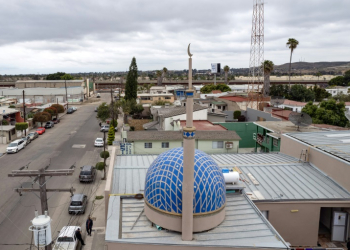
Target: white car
x=66 y=239
x=74 y=108
x=98 y=142
x=15 y=146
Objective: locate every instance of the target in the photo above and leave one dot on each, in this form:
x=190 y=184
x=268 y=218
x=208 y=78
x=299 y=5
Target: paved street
x=55 y=146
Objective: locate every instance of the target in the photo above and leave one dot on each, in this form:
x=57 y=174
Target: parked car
x=15 y=146
x=40 y=130
x=74 y=109
x=49 y=125
x=98 y=142
x=66 y=239
x=96 y=108
x=56 y=120
x=104 y=128
x=26 y=139
x=98 y=95
x=87 y=173
x=70 y=111
x=78 y=204
x=33 y=135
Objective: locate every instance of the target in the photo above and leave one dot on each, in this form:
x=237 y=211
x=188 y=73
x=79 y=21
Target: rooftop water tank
x=42 y=229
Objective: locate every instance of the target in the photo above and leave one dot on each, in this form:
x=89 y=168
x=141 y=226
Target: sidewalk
x=97 y=238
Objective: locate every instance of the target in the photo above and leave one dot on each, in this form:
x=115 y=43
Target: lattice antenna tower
x=256 y=72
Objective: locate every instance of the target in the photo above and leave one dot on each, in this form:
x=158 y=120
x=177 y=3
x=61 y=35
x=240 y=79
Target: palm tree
x=148 y=87
x=292 y=44
x=159 y=77
x=226 y=69
x=267 y=67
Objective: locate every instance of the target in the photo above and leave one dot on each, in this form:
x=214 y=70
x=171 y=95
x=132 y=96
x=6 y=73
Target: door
x=339 y=223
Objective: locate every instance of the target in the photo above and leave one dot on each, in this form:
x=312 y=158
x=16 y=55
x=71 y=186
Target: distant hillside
x=314 y=67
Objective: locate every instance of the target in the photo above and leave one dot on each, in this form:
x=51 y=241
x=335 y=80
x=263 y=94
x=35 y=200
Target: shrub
x=99 y=197
x=104 y=154
x=236 y=114
x=111 y=135
x=132 y=128
x=21 y=126
x=5 y=122
x=100 y=166
x=12 y=106
x=30 y=115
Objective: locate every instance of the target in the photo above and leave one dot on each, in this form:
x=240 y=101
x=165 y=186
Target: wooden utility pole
x=65 y=85
x=24 y=113
x=40 y=175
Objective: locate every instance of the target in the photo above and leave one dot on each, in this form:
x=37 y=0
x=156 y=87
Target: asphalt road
x=54 y=147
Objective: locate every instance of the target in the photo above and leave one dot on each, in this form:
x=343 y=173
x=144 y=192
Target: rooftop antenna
x=277 y=100
x=300 y=119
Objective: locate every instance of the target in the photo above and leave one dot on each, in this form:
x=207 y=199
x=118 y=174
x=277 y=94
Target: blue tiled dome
x=163 y=186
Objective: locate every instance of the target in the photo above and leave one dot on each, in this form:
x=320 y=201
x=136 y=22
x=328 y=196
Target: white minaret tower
x=188 y=167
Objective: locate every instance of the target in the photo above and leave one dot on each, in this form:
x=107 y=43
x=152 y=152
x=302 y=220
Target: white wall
x=292 y=107
x=197 y=115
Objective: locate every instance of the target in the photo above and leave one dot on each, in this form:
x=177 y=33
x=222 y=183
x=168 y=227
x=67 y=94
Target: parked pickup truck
x=66 y=239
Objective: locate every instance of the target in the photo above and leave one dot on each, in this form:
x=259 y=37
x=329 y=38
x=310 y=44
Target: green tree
x=292 y=44
x=159 y=77
x=279 y=90
x=226 y=70
x=127 y=106
x=299 y=92
x=347 y=78
x=5 y=122
x=51 y=110
x=337 y=81
x=148 y=87
x=20 y=126
x=131 y=81
x=210 y=87
x=342 y=97
x=236 y=114
x=267 y=66
x=55 y=76
x=328 y=112
x=137 y=109
x=103 y=112
x=320 y=93
x=160 y=103
x=67 y=77
x=111 y=135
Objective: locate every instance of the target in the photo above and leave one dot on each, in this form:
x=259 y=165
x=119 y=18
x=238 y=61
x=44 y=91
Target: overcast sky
x=83 y=35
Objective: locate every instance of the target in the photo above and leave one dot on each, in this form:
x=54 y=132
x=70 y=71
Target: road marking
x=79 y=146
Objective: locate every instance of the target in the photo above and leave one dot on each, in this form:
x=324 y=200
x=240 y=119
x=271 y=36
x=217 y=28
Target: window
x=165 y=144
x=265 y=213
x=218 y=144
x=148 y=144
x=219 y=107
x=145 y=98
x=167 y=97
x=275 y=142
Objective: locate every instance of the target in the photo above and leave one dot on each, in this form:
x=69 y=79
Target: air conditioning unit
x=229 y=145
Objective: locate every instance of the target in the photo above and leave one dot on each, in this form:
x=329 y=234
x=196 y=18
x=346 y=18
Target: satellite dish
x=300 y=119
x=277 y=100
x=347 y=114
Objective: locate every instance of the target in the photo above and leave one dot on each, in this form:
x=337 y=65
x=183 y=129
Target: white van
x=66 y=239
x=15 y=146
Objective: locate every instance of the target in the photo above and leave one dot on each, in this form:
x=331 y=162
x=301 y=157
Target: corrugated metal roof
x=43 y=91
x=244 y=226
x=336 y=143
x=280 y=177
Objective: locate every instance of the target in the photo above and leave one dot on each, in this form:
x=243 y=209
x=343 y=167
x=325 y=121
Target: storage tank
x=42 y=229
x=230 y=177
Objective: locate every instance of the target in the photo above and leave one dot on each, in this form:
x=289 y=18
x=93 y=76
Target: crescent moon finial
x=188 y=51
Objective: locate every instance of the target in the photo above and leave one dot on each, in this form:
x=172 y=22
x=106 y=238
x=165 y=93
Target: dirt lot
x=137 y=123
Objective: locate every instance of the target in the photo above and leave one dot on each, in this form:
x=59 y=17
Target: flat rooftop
x=244 y=226
x=336 y=143
x=278 y=177
x=203 y=125
x=280 y=127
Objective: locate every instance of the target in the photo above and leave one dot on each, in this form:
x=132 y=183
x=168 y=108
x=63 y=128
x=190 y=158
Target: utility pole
x=40 y=175
x=65 y=85
x=112 y=107
x=24 y=113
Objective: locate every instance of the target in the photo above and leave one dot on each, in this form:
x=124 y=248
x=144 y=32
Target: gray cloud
x=46 y=36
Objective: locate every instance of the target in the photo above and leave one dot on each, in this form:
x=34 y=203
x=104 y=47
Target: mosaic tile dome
x=163 y=186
